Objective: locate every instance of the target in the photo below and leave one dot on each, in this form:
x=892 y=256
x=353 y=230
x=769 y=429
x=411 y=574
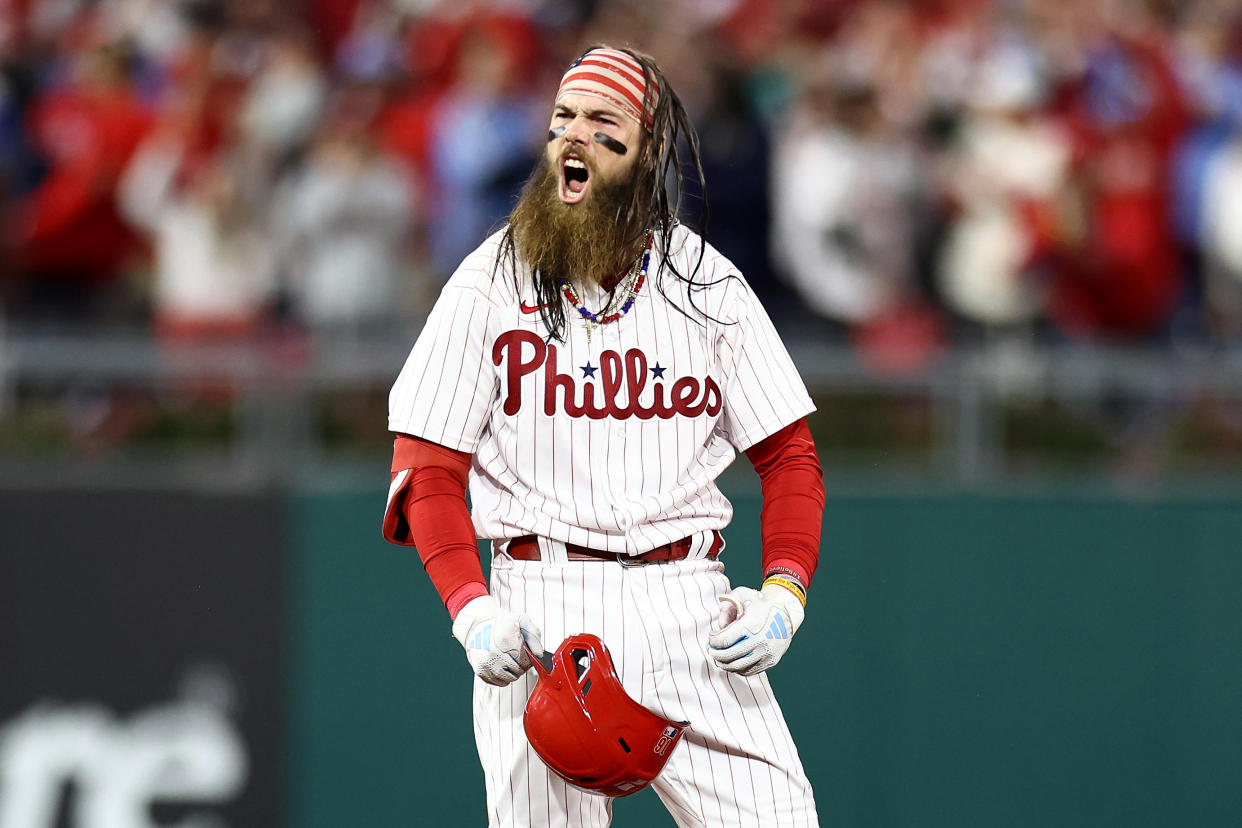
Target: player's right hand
x=492 y=637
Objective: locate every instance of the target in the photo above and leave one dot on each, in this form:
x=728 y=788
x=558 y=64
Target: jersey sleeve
x=444 y=392
x=763 y=392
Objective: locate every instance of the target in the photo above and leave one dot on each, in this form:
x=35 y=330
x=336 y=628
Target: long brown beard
x=590 y=243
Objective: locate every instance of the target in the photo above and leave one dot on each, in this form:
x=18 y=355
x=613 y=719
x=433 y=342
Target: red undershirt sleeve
x=427 y=510
x=792 y=483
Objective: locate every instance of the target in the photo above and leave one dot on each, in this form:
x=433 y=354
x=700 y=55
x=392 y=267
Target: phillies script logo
x=687 y=396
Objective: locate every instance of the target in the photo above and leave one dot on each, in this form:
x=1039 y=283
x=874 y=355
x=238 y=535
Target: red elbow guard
x=427 y=509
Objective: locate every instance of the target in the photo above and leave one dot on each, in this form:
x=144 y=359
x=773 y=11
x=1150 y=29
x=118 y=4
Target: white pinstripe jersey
x=613 y=442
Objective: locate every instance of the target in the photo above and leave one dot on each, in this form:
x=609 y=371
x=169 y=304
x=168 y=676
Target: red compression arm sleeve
x=427 y=509
x=792 y=483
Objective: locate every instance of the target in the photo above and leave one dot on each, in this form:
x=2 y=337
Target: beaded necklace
x=622 y=298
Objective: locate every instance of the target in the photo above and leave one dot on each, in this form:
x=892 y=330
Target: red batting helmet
x=585 y=727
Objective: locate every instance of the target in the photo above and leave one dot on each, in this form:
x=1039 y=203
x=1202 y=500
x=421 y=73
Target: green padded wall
x=966 y=661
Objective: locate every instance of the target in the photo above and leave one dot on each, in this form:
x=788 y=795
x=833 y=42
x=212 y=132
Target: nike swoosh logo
x=530 y=308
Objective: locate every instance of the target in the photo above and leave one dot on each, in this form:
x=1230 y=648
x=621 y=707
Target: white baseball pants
x=736 y=765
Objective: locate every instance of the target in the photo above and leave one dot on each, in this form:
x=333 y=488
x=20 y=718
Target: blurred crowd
x=901 y=175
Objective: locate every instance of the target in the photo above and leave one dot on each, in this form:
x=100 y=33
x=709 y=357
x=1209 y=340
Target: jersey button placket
x=598 y=456
x=618 y=425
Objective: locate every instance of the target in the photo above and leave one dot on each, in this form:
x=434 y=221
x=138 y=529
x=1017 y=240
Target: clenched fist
x=754 y=628
x=492 y=637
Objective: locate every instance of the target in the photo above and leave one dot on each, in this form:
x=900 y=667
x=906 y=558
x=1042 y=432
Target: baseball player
x=588 y=372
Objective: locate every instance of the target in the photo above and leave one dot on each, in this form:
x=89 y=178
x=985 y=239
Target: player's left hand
x=754 y=628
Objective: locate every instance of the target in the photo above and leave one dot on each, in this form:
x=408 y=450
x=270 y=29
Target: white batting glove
x=754 y=628
x=492 y=637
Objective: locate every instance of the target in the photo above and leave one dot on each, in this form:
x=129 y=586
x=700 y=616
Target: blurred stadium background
x=1002 y=238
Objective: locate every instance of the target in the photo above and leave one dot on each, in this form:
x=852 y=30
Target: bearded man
x=588 y=373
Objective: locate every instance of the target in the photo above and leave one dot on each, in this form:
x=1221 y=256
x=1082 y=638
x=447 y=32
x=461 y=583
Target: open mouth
x=574 y=179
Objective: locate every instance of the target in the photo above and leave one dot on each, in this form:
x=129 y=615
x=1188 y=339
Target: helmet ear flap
x=587 y=730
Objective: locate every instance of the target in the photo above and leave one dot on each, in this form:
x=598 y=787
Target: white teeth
x=574 y=162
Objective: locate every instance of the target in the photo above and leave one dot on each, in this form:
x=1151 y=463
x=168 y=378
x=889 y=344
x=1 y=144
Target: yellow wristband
x=789 y=584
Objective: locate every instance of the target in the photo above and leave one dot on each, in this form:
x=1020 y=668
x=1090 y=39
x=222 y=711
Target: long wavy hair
x=659 y=193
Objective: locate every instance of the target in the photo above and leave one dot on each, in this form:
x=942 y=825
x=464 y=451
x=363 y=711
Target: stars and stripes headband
x=615 y=77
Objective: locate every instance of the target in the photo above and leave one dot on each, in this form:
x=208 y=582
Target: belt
x=526 y=548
